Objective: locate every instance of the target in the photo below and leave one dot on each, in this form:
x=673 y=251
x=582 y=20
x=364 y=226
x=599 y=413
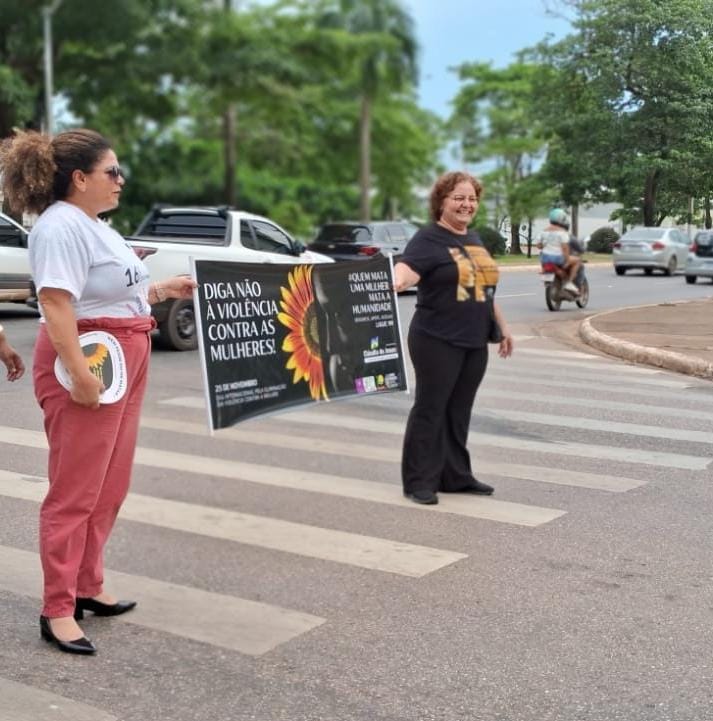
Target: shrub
x=602 y=240
x=492 y=240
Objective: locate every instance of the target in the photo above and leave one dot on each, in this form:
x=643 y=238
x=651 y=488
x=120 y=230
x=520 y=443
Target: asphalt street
x=281 y=576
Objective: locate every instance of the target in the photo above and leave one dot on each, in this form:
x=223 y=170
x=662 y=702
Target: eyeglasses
x=462 y=198
x=114 y=172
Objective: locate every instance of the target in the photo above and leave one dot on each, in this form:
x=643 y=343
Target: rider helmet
x=559 y=217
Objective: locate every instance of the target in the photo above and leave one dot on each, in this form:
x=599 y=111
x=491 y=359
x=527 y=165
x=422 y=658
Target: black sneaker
x=427 y=498
x=479 y=488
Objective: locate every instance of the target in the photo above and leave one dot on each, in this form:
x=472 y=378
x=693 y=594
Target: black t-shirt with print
x=458 y=279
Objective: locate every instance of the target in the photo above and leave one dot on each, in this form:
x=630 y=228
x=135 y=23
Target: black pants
x=435 y=456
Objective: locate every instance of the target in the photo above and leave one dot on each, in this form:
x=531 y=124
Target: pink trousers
x=91 y=454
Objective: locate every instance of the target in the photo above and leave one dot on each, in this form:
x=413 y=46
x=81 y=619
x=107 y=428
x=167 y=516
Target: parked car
x=700 y=257
x=15 y=279
x=168 y=237
x=352 y=240
x=650 y=249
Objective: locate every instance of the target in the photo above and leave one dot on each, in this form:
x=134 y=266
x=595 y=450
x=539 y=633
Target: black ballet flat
x=81 y=645
x=101 y=609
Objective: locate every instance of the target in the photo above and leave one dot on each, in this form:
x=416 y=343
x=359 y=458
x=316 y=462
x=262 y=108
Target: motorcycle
x=554 y=280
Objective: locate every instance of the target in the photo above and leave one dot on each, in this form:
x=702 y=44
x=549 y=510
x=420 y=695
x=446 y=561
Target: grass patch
x=535 y=259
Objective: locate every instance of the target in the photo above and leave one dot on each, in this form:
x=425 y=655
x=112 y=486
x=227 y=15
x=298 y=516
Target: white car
x=650 y=249
x=168 y=237
x=700 y=257
x=15 y=278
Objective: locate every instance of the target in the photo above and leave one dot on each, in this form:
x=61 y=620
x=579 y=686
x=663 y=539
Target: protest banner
x=273 y=336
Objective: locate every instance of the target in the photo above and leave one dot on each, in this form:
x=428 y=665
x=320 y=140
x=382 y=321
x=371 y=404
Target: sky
x=451 y=32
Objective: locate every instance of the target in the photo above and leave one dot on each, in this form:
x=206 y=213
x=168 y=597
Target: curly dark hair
x=445 y=184
x=37 y=170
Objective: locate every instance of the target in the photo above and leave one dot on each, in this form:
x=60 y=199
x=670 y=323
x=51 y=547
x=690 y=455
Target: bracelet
x=160 y=292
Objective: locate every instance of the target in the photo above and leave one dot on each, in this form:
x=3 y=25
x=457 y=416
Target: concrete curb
x=635 y=353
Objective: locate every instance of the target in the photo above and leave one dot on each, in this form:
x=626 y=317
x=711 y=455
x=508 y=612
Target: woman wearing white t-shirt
x=88 y=279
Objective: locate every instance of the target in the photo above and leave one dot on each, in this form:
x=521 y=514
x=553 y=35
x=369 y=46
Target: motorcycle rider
x=554 y=245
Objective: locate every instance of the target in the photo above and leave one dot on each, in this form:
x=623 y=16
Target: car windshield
x=644 y=234
x=344 y=234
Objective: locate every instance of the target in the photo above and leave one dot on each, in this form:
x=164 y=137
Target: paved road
x=281 y=576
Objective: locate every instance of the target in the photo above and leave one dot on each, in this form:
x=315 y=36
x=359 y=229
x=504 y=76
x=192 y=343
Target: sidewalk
x=674 y=336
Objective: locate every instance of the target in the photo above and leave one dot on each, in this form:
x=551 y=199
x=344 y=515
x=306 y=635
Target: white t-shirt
x=86 y=257
x=552 y=241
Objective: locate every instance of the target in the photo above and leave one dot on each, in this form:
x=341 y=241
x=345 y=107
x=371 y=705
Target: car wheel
x=691 y=279
x=178 y=331
x=619 y=270
x=648 y=271
x=671 y=267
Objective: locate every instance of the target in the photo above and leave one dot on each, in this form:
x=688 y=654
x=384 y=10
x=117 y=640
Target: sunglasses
x=114 y=172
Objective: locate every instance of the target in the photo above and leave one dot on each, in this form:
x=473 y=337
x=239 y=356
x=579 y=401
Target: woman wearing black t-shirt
x=447 y=340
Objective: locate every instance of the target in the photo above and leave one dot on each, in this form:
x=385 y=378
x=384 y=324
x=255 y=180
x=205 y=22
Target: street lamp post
x=47 y=12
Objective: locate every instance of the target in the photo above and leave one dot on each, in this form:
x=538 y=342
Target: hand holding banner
x=274 y=336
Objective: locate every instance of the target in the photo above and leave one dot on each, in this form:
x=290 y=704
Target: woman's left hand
x=179 y=287
x=506 y=345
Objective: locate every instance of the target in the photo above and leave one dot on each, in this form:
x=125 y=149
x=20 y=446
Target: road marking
x=615 y=484
x=648 y=410
x=29 y=703
x=564 y=365
x=352 y=549
x=356 y=488
x=548 y=354
x=603 y=378
x=590 y=424
x=565 y=448
x=594 y=385
x=249 y=627
x=477 y=440
x=514 y=295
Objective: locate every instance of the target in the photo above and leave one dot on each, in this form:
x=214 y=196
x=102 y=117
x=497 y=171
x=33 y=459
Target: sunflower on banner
x=302 y=342
x=96 y=356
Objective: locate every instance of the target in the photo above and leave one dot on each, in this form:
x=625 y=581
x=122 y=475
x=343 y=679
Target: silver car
x=664 y=249
x=15 y=278
x=700 y=258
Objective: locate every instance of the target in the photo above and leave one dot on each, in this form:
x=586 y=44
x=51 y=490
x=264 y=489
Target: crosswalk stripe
x=590 y=424
x=29 y=703
x=648 y=410
x=477 y=440
x=560 y=447
x=237 y=624
x=556 y=353
x=615 y=484
x=353 y=549
x=545 y=357
x=356 y=488
x=602 y=377
x=598 y=385
x=564 y=365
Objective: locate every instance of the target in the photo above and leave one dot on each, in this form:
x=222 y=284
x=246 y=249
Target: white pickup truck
x=168 y=237
x=15 y=278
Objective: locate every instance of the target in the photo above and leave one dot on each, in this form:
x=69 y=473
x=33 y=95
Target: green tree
x=495 y=119
x=631 y=99
x=384 y=63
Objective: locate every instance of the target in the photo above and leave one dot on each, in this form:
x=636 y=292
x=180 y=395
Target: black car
x=355 y=241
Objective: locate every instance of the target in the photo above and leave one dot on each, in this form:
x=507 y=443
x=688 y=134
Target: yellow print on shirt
x=477 y=273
